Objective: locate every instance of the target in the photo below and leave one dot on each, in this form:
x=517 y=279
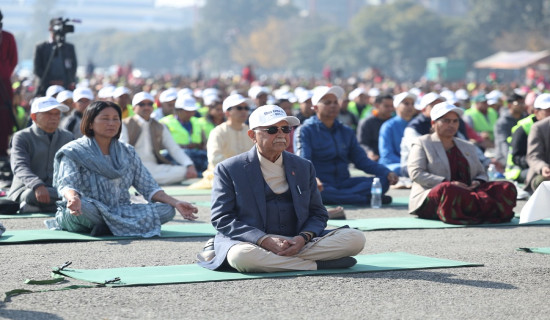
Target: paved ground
x=511 y=285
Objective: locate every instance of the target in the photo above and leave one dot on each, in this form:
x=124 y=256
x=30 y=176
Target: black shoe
x=341 y=263
x=386 y=199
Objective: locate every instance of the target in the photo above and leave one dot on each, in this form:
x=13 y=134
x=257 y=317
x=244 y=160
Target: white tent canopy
x=513 y=60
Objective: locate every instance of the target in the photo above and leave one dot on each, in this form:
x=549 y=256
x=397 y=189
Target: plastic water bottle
x=376 y=194
x=492 y=172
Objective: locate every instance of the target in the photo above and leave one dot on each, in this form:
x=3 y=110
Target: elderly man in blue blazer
x=268 y=211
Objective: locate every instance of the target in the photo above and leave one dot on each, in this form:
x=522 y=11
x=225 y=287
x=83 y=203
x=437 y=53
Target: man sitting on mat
x=32 y=157
x=268 y=211
x=331 y=147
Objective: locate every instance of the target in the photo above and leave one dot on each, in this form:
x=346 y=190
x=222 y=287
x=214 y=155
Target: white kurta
x=162 y=173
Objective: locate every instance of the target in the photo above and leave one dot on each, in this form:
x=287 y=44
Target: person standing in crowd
x=82 y=98
x=149 y=137
x=368 y=130
x=331 y=147
x=8 y=61
x=55 y=60
x=267 y=209
x=32 y=157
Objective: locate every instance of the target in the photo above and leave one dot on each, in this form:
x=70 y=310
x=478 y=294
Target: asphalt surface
x=510 y=285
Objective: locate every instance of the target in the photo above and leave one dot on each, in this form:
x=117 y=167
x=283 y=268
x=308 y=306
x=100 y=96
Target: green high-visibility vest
x=179 y=133
x=352 y=107
x=482 y=123
x=512 y=170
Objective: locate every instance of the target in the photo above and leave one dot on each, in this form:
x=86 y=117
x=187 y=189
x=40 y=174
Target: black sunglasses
x=143 y=104
x=240 y=108
x=274 y=129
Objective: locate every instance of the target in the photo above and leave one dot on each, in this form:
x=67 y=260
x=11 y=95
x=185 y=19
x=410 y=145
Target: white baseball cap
x=270 y=114
x=210 y=91
x=374 y=92
x=142 y=96
x=397 y=99
x=45 y=104
x=356 y=93
x=304 y=95
x=493 y=97
x=119 y=91
x=53 y=90
x=169 y=94
x=321 y=91
x=185 y=92
x=542 y=101
x=442 y=108
x=106 y=92
x=255 y=91
x=427 y=99
x=80 y=93
x=210 y=99
x=462 y=94
x=64 y=95
x=234 y=100
x=187 y=103
x=449 y=96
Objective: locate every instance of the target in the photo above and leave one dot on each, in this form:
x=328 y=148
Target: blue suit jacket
x=239 y=205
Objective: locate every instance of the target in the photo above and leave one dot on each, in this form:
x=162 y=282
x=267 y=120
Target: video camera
x=61 y=27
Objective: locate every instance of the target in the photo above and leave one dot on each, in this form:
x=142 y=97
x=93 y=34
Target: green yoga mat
x=397 y=202
x=26 y=215
x=391 y=261
x=417 y=223
x=44 y=235
x=535 y=250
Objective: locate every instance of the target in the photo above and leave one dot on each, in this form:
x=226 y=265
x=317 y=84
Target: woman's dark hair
x=91 y=113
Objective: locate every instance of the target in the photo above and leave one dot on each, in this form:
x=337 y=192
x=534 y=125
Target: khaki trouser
x=248 y=257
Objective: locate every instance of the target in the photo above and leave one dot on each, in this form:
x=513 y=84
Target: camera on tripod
x=61 y=27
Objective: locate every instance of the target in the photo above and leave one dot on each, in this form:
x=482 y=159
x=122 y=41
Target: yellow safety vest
x=512 y=170
x=179 y=133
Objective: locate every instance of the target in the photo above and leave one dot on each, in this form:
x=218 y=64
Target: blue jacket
x=332 y=150
x=239 y=201
x=389 y=142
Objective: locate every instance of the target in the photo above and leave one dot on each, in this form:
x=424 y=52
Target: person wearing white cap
x=449 y=181
x=359 y=103
x=106 y=93
x=65 y=97
x=214 y=115
x=82 y=98
x=54 y=90
x=259 y=95
x=529 y=133
x=418 y=126
x=227 y=139
x=187 y=131
x=32 y=157
x=331 y=147
x=121 y=96
x=149 y=137
x=391 y=132
x=306 y=108
x=368 y=129
x=268 y=211
x=482 y=119
x=94 y=174
x=167 y=101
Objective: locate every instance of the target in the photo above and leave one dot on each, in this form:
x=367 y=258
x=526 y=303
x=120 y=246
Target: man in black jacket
x=61 y=70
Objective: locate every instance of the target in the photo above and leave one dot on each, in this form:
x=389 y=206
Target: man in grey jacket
x=32 y=153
